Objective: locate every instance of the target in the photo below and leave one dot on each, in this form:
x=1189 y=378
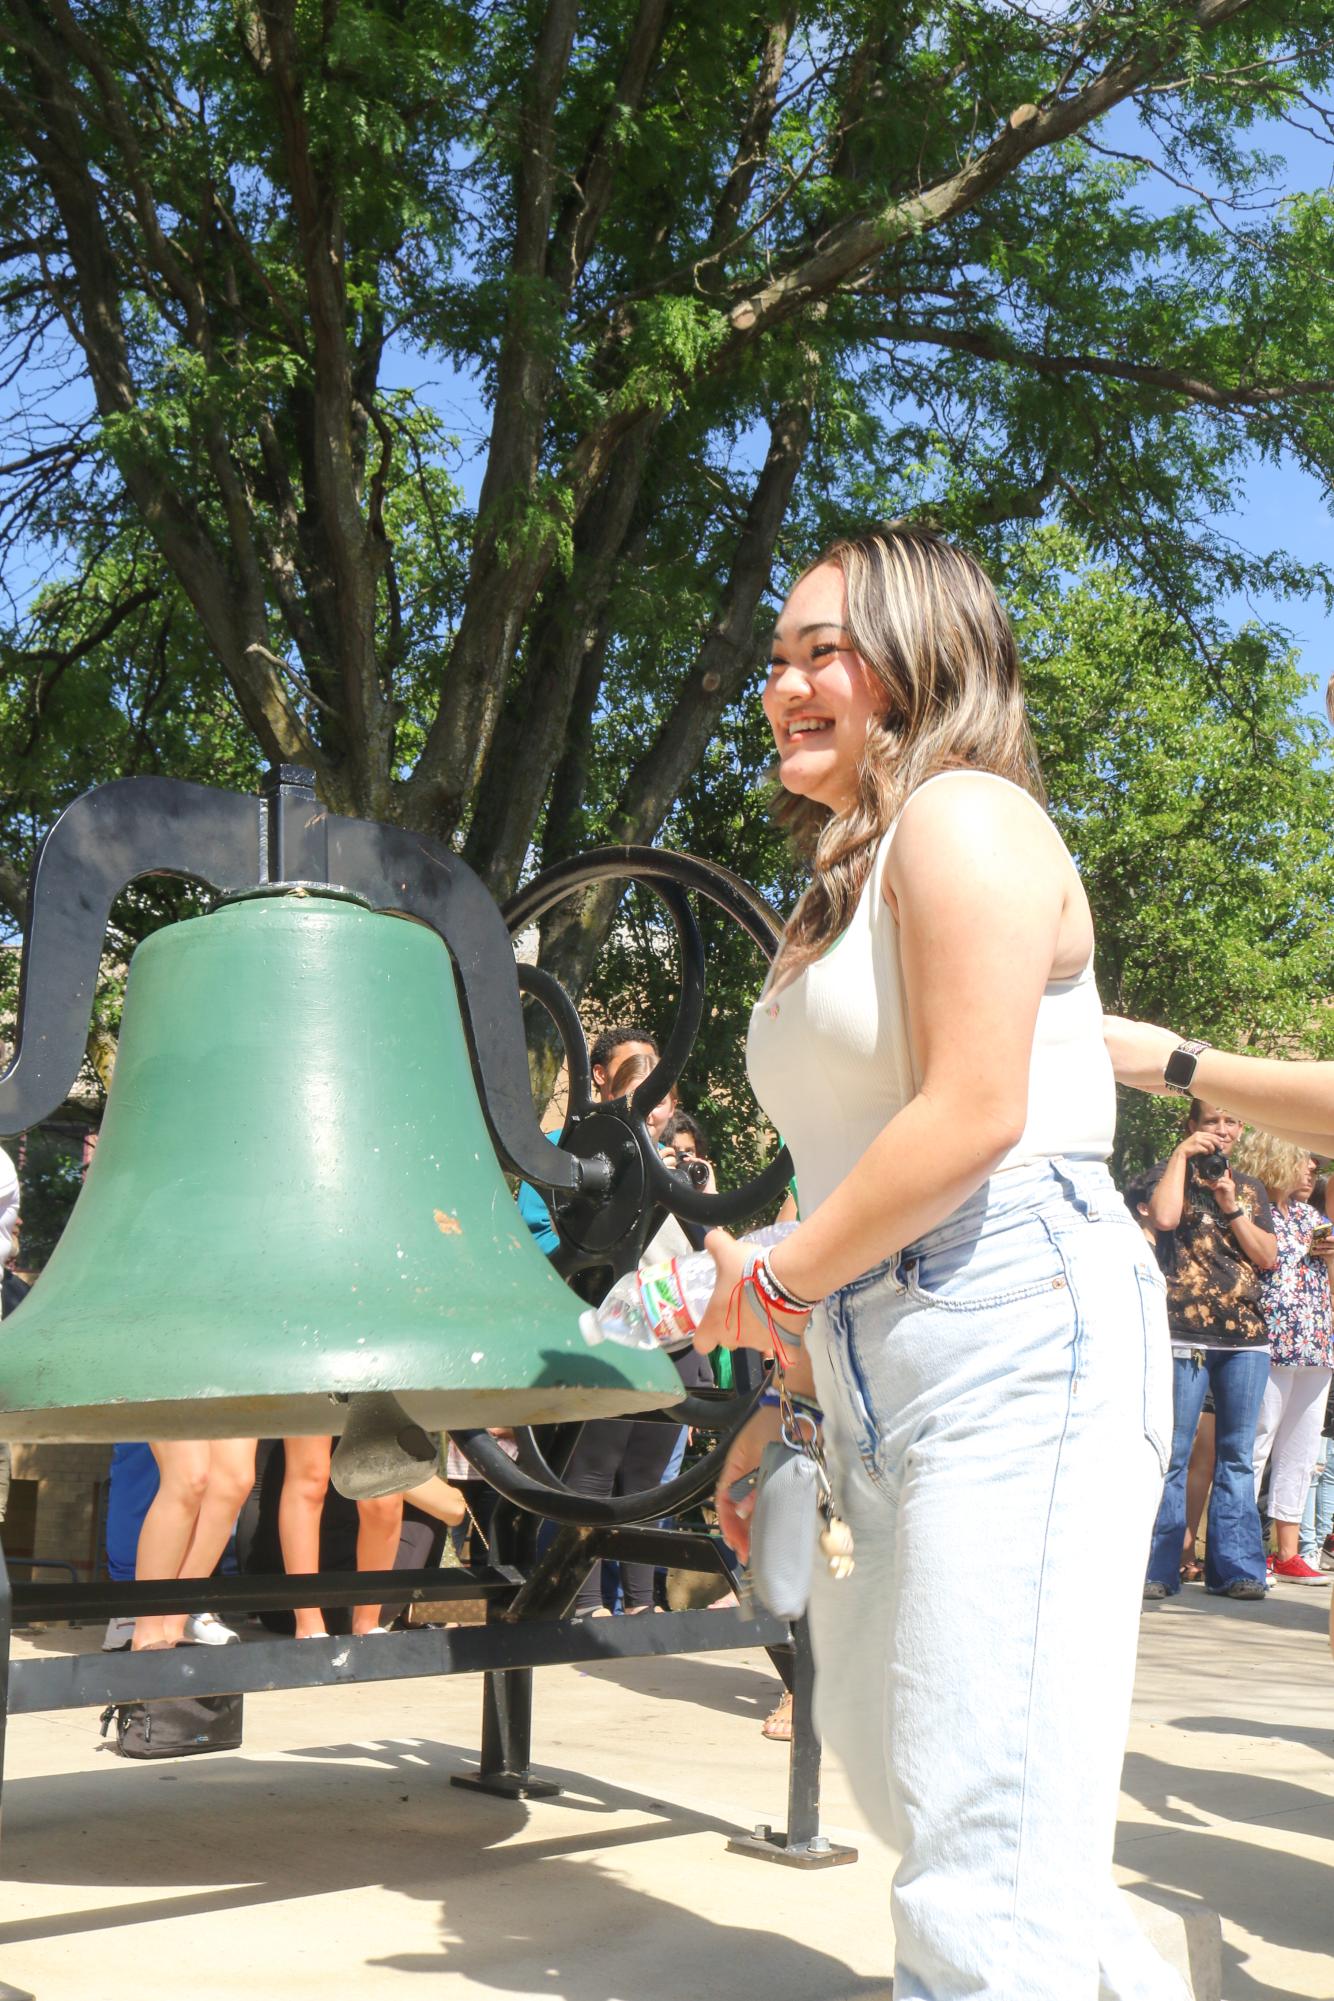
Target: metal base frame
x=528 y=1626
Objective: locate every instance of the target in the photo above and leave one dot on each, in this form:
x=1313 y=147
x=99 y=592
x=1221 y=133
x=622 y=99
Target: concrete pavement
x=332 y=1859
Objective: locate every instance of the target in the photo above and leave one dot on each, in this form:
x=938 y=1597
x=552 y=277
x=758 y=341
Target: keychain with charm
x=800 y=1435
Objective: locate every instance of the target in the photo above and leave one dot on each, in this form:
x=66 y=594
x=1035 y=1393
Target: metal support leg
x=6 y=1635
x=507 y=1728
x=7 y=1993
x=801 y=1845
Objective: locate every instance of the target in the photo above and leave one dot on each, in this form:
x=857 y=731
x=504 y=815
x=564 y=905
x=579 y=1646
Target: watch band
x=1179 y=1070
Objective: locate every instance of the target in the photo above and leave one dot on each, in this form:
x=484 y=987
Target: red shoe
x=1296 y=1570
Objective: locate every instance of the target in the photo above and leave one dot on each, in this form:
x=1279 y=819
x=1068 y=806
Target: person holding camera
x=1214 y=1236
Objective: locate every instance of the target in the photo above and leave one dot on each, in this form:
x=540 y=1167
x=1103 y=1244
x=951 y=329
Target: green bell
x=295 y=1200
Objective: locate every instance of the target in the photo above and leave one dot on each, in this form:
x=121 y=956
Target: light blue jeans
x=1318 y=1520
x=998 y=1416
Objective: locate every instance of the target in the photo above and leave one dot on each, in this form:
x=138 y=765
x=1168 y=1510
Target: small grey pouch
x=784 y=1529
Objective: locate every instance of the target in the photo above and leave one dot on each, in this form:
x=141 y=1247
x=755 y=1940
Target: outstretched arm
x=1294 y=1100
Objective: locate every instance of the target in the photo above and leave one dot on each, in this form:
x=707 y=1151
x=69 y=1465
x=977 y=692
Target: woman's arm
x=1294 y=1100
x=981 y=887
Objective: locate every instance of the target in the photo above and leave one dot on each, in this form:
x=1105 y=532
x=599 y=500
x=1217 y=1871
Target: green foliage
x=621 y=247
x=50 y=1177
x=1196 y=800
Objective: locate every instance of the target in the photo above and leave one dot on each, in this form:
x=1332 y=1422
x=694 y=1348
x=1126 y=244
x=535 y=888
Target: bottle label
x=663 y=1299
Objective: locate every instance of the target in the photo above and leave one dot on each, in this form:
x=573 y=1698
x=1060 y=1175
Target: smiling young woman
x=989 y=1348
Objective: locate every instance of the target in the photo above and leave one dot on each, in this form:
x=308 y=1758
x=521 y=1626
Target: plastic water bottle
x=662 y=1304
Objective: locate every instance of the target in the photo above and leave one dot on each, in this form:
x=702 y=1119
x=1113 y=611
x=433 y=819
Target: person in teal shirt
x=611 y=1049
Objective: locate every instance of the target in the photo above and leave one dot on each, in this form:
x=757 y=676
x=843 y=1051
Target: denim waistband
x=1060 y=1183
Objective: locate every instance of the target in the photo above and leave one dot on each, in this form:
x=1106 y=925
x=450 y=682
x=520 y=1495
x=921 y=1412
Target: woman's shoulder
x=963 y=796
x=964 y=816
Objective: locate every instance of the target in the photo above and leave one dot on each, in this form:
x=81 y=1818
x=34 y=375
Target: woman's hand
x=734 y=1318
x=726 y=1316
x=743 y=1456
x=1139 y=1052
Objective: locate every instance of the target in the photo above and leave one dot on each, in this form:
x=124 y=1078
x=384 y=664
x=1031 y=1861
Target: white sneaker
x=205 y=1629
x=117 y=1636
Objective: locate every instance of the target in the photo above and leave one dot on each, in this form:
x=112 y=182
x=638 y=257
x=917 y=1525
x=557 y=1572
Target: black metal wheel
x=612 y=1231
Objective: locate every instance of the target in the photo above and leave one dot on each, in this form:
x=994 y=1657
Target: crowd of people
x=1238 y=1223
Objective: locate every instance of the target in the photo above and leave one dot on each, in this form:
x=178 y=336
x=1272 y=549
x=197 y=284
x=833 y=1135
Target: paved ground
x=331 y=1859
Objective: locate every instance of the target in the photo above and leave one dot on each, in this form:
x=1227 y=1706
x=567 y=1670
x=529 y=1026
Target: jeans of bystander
x=1318 y=1518
x=1233 y=1548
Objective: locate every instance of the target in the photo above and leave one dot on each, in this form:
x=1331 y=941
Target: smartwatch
x=1179 y=1070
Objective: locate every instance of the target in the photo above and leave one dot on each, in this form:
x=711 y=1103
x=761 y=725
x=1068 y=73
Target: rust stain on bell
x=448 y=1226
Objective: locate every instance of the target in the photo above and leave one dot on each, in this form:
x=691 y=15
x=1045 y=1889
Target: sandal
x=1191 y=1571
x=777 y=1725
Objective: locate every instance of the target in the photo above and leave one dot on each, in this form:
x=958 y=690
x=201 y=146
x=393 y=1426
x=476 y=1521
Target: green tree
x=1195 y=798
x=723 y=280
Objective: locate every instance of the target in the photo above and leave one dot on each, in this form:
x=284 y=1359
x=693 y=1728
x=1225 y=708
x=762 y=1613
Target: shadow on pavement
x=1312 y=1736
x=551 y=1915
x=699 y=1682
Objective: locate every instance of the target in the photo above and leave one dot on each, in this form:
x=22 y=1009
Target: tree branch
x=511 y=555
x=574 y=933
x=995 y=345
x=853 y=244
x=530 y=738
x=581 y=213
x=753 y=142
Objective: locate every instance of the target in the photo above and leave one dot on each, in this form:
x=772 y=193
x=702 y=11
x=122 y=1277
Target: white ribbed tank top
x=830 y=1057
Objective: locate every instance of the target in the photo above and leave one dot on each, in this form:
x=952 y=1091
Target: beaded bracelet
x=777 y=1297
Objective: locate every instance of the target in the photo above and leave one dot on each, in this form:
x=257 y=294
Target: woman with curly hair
x=1295 y=1301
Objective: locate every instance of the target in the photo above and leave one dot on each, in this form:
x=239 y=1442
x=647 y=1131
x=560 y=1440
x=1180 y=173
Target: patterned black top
x=1213 y=1289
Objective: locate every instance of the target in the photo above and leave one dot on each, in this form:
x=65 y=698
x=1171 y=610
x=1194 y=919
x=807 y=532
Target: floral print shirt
x=1295 y=1297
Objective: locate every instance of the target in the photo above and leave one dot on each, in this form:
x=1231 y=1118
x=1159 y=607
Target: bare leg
x=168 y=1527
x=1199 y=1478
x=436 y=1497
x=305 y=1484
x=380 y=1524
x=231 y=1475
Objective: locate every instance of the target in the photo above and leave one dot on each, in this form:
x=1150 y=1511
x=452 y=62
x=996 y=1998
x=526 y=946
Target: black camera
x=1210 y=1167
x=695 y=1170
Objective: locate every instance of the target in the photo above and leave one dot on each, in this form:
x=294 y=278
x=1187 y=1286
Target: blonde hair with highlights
x=1277 y=1163
x=924 y=617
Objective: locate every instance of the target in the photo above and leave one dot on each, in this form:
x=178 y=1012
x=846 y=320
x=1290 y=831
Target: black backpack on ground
x=175 y=1726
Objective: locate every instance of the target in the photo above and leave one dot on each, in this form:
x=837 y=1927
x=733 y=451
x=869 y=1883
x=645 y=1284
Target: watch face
x=1180 y=1068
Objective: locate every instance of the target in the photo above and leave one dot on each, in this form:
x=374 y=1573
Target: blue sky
x=1280 y=506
